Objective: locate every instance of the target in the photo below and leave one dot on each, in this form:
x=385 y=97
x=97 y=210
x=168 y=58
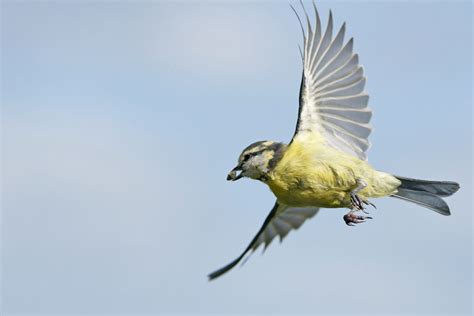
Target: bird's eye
x=246 y=157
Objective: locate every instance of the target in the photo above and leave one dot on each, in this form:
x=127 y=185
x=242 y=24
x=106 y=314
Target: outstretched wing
x=281 y=220
x=332 y=99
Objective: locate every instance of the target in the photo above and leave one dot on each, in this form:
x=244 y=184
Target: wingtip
x=299 y=20
x=210 y=277
x=308 y=23
x=315 y=9
x=214 y=275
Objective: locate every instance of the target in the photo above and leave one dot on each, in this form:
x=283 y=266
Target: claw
x=351 y=219
x=356 y=202
x=371 y=204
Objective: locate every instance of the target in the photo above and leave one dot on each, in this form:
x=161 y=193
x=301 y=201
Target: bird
x=325 y=163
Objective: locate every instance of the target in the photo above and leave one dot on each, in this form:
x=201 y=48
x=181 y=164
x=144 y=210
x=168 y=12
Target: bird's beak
x=233 y=174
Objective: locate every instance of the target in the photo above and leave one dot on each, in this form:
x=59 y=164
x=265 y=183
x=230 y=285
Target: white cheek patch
x=260 y=162
x=256 y=166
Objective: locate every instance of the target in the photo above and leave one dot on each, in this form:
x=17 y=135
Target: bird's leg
x=357 y=205
x=356 y=201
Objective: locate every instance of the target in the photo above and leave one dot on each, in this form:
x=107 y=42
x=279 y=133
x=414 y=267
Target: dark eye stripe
x=253 y=154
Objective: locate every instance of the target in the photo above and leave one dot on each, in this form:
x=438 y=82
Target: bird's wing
x=281 y=220
x=332 y=99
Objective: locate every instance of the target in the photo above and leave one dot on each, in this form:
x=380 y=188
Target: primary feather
x=333 y=103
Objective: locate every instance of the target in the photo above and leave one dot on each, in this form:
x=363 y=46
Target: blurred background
x=120 y=121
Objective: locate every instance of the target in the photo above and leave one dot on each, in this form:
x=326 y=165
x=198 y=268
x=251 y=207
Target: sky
x=120 y=121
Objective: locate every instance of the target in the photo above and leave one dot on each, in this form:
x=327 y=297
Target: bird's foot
x=351 y=218
x=358 y=204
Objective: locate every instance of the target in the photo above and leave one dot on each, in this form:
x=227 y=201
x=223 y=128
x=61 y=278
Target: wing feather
x=333 y=103
x=353 y=101
x=352 y=89
x=316 y=36
x=337 y=83
x=323 y=45
x=342 y=57
x=346 y=69
x=361 y=116
x=279 y=222
x=332 y=50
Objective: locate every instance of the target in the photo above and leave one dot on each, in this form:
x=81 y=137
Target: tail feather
x=425 y=199
x=440 y=188
x=427 y=193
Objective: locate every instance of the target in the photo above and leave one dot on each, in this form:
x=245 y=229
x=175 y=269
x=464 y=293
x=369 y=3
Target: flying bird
x=325 y=164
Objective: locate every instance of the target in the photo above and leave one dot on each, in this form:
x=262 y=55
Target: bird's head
x=257 y=160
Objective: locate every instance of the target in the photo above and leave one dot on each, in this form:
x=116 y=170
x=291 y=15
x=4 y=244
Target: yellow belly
x=313 y=188
x=321 y=176
x=301 y=197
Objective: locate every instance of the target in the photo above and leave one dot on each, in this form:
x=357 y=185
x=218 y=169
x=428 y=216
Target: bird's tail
x=427 y=193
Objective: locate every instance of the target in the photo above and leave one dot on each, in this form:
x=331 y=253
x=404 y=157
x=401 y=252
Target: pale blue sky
x=120 y=121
